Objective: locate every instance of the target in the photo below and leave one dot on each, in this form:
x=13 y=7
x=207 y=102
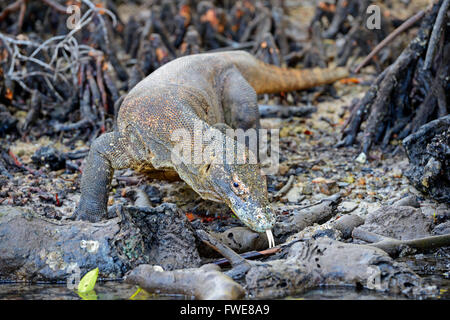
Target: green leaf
x=90 y=295
x=135 y=294
x=87 y=283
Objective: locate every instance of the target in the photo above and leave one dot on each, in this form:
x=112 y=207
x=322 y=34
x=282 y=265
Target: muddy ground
x=310 y=163
x=308 y=153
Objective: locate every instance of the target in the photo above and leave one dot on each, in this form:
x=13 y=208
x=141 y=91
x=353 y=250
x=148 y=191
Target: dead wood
x=306 y=216
x=239 y=264
x=347 y=223
x=242 y=239
x=436 y=34
x=312 y=263
x=429 y=167
x=396 y=247
x=285 y=188
x=204 y=283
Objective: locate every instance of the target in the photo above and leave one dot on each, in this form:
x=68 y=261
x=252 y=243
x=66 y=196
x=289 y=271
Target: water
x=433 y=268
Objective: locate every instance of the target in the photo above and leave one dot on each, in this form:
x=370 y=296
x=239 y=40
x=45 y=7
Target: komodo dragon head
x=244 y=190
x=241 y=186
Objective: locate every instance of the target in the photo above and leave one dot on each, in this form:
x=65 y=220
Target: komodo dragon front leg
x=108 y=153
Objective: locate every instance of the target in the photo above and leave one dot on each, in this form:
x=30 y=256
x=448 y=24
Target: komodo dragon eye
x=238 y=187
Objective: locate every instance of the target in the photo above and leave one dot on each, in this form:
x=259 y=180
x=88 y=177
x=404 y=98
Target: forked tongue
x=270 y=238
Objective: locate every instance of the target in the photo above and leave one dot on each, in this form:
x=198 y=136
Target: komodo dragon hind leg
x=108 y=153
x=239 y=102
x=240 y=106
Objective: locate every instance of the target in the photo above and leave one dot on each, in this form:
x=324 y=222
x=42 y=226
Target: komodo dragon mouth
x=242 y=188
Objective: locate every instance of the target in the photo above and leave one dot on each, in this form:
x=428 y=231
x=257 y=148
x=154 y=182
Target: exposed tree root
x=404 y=96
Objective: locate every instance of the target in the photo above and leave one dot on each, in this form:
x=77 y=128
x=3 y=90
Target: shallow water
x=110 y=290
x=433 y=268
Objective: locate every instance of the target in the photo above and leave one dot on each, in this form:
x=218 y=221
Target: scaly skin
x=217 y=90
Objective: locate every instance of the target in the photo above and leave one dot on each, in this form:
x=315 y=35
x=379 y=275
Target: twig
x=10 y=9
x=23 y=8
x=285 y=111
x=285 y=188
x=250 y=255
x=239 y=264
x=235 y=46
x=59 y=8
x=404 y=26
x=20 y=164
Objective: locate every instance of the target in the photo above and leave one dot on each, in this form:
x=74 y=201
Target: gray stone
x=402 y=223
x=35 y=248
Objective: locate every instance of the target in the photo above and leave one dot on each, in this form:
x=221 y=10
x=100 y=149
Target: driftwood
x=313 y=263
x=250 y=255
x=204 y=283
x=242 y=239
x=306 y=216
x=34 y=248
x=347 y=223
x=240 y=264
x=310 y=263
x=285 y=188
x=396 y=247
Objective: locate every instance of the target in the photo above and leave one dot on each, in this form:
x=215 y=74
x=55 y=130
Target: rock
x=34 y=248
x=326 y=186
x=441 y=229
x=362 y=158
x=347 y=223
x=49 y=157
x=347 y=206
x=429 y=158
x=242 y=239
x=293 y=195
x=310 y=263
x=442 y=213
x=402 y=223
x=409 y=201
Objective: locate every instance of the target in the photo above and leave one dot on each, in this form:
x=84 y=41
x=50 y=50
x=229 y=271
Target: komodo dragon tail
x=266 y=78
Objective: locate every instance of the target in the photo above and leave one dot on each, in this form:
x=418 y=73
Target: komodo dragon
x=214 y=88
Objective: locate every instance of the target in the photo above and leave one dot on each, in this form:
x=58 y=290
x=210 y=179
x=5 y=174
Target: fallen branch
x=311 y=263
x=249 y=255
x=319 y=212
x=204 y=283
x=394 y=247
x=285 y=188
x=239 y=264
